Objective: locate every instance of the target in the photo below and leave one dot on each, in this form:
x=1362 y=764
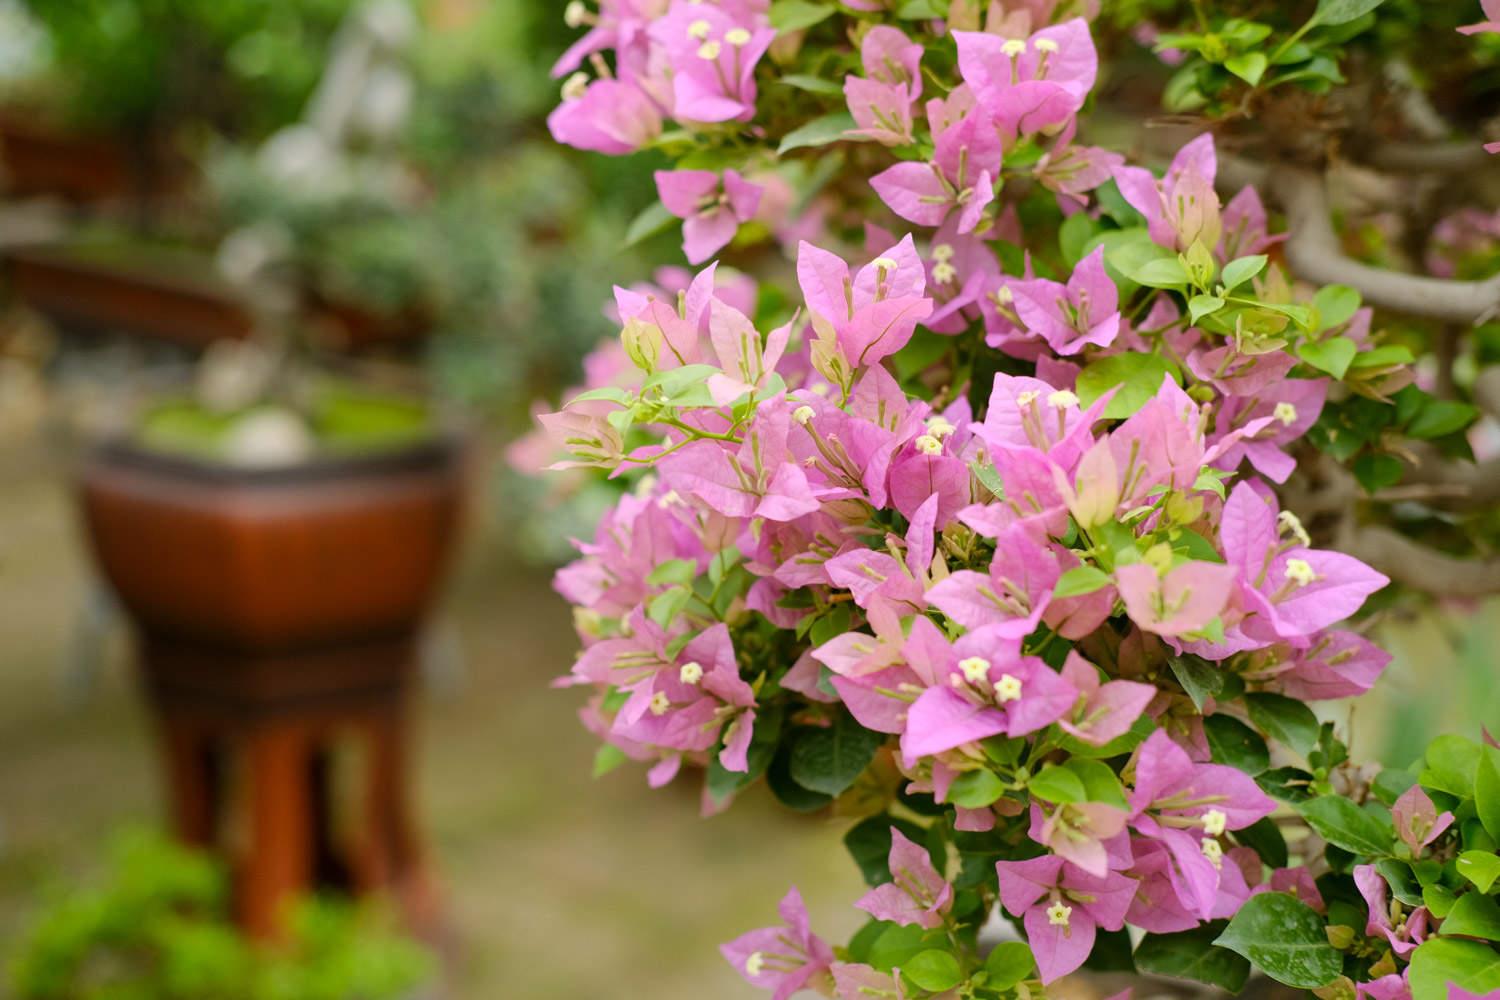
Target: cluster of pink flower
x=1004 y=577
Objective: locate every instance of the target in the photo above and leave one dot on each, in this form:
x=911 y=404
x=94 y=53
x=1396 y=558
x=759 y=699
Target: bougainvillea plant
x=980 y=507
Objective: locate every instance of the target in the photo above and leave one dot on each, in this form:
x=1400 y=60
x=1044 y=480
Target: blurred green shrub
x=159 y=929
x=241 y=67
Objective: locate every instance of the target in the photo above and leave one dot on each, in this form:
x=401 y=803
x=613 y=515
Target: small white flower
x=943 y=273
x=1214 y=852
x=975 y=668
x=1213 y=822
x=754 y=964
x=575 y=14
x=940 y=426
x=804 y=414
x=1292 y=523
x=710 y=51
x=1058 y=914
x=1062 y=399
x=942 y=252
x=575 y=86
x=660 y=704
x=737 y=37
x=1028 y=397
x=1004 y=296
x=929 y=445
x=1286 y=413
x=1046 y=45
x=1300 y=572
x=1007 y=688
x=669 y=499
x=691 y=672
x=884 y=264
x=1014 y=47
x=699 y=29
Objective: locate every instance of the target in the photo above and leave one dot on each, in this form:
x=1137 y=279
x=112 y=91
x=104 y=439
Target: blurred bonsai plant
x=159 y=928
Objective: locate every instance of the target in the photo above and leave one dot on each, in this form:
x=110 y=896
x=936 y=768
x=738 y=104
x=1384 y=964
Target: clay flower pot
x=278 y=612
x=38 y=159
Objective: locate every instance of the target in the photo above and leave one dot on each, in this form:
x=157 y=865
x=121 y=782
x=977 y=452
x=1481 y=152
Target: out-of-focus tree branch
x=1314 y=252
x=1416 y=565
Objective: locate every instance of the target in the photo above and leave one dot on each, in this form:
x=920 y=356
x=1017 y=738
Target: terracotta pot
x=278 y=613
x=37 y=159
x=179 y=300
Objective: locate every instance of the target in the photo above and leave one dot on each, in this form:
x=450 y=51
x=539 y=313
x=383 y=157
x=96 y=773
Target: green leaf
x=1200 y=306
x=811 y=84
x=1474 y=915
x=652 y=220
x=790 y=794
x=1439 y=961
x=1376 y=472
x=1452 y=763
x=1398 y=875
x=1332 y=355
x=1285 y=720
x=920 y=10
x=1100 y=784
x=1236 y=744
x=1163 y=272
x=673 y=571
x=1193 y=955
x=1242 y=269
x=829 y=760
x=1439 y=899
x=976 y=789
x=1081 y=580
x=1286 y=940
x=1057 y=784
x=818 y=132
x=1074 y=236
x=898 y=945
x=1344 y=824
x=666 y=606
x=1336 y=305
x=1198 y=677
x=933 y=970
x=794 y=15
x=1265 y=838
x=1331 y=12
x=1480 y=867
x=1248 y=66
x=1487 y=790
x=1139 y=377
x=1440 y=417
x=607 y=758
x=1008 y=964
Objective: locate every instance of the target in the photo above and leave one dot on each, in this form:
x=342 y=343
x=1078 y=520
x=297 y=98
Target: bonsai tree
x=1041 y=477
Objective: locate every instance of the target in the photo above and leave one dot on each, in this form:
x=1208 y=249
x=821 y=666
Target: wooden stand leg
x=192 y=782
x=280 y=863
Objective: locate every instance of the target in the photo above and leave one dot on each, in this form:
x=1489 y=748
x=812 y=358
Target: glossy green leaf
x=1236 y=744
x=1285 y=938
x=933 y=970
x=1242 y=269
x=1081 y=580
x=829 y=760
x=1332 y=355
x=1284 y=719
x=1248 y=66
x=1193 y=955
x=976 y=789
x=653 y=219
x=1474 y=915
x=1344 y=824
x=1333 y=12
x=794 y=15
x=1470 y=965
x=1057 y=784
x=1007 y=964
x=1336 y=305
x=1139 y=377
x=822 y=131
x=1480 y=867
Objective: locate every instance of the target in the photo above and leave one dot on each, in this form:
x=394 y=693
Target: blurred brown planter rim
x=38 y=158
x=181 y=300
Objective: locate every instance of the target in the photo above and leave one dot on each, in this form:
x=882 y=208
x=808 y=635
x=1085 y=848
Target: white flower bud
x=737 y=37
x=691 y=672
x=1062 y=399
x=804 y=414
x=1007 y=688
x=1300 y=572
x=660 y=704
x=1014 y=47
x=575 y=86
x=1286 y=413
x=699 y=29
x=929 y=445
x=575 y=14
x=942 y=252
x=1214 y=822
x=975 y=668
x=710 y=51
